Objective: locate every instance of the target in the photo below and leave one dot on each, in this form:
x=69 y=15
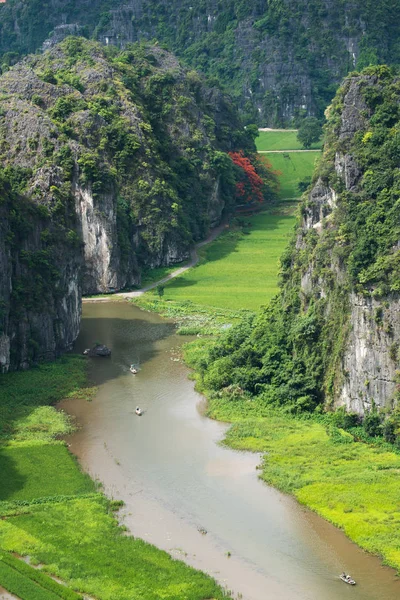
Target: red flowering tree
x=249 y=187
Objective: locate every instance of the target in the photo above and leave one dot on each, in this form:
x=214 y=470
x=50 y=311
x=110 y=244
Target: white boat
x=138 y=411
x=133 y=369
x=347 y=579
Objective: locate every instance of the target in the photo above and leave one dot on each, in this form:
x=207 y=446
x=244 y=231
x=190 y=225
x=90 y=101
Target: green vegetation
x=150 y=276
x=239 y=269
x=89 y=557
x=44 y=495
x=23 y=465
x=140 y=135
x=292 y=354
x=292 y=168
x=310 y=132
x=30 y=583
x=274 y=374
x=232 y=42
x=325 y=469
x=281 y=140
x=191 y=318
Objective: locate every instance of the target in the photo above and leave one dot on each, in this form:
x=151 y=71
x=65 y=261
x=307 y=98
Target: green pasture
x=281 y=140
x=323 y=466
x=238 y=270
x=340 y=479
x=34 y=471
x=50 y=511
x=80 y=542
x=293 y=167
x=23 y=415
x=29 y=583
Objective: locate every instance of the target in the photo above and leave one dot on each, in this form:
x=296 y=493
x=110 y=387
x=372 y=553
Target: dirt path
x=284 y=151
x=272 y=129
x=194 y=259
x=4 y=595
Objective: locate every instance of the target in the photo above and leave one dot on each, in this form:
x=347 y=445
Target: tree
x=249 y=187
x=160 y=291
x=310 y=131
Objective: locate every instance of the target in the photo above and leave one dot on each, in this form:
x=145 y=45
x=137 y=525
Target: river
x=174 y=477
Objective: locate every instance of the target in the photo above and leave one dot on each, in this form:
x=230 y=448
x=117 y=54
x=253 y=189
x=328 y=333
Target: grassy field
x=329 y=472
x=352 y=484
x=27 y=582
x=52 y=512
x=281 y=140
x=294 y=167
x=239 y=269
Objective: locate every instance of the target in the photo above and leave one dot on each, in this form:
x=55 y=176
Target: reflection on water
x=174 y=477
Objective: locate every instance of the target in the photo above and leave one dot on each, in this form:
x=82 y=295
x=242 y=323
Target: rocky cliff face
x=120 y=159
x=40 y=286
x=332 y=336
x=280 y=59
x=362 y=265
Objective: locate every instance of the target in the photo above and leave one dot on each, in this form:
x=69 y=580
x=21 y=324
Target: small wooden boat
x=138 y=411
x=133 y=369
x=347 y=579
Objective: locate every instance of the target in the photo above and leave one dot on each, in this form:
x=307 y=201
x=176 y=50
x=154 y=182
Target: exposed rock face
x=367 y=368
x=280 y=58
x=370 y=358
x=113 y=163
x=40 y=286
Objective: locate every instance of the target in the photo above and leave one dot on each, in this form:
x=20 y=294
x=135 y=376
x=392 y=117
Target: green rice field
x=281 y=140
x=292 y=167
x=238 y=270
x=53 y=513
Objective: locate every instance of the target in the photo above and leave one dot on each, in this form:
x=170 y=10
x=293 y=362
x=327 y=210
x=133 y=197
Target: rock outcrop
x=331 y=338
x=121 y=161
x=281 y=59
x=368 y=362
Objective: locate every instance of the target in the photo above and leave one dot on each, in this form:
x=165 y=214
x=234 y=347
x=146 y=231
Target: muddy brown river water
x=174 y=477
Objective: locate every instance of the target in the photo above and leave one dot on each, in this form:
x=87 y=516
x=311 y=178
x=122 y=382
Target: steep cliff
x=121 y=160
x=40 y=262
x=332 y=336
x=279 y=58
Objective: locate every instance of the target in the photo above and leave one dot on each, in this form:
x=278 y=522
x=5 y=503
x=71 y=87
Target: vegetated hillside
x=279 y=58
x=332 y=336
x=111 y=161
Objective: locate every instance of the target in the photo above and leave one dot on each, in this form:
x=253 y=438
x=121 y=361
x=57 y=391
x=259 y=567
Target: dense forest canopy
x=281 y=59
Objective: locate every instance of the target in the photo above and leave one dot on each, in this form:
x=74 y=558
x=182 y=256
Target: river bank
x=350 y=483
x=175 y=477
x=57 y=516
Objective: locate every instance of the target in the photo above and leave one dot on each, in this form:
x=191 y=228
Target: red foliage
x=249 y=188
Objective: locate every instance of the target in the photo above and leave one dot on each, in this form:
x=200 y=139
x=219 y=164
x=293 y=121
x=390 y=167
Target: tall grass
x=353 y=485
x=80 y=542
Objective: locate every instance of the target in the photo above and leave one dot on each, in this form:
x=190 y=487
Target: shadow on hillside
x=11 y=481
x=130 y=340
x=229 y=241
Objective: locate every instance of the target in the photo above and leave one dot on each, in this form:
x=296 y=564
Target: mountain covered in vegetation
x=279 y=58
x=332 y=336
x=110 y=161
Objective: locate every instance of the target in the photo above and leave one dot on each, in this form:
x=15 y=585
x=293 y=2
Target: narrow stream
x=174 y=477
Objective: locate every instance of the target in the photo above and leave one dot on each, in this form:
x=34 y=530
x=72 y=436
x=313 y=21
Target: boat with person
x=347 y=579
x=133 y=369
x=138 y=411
